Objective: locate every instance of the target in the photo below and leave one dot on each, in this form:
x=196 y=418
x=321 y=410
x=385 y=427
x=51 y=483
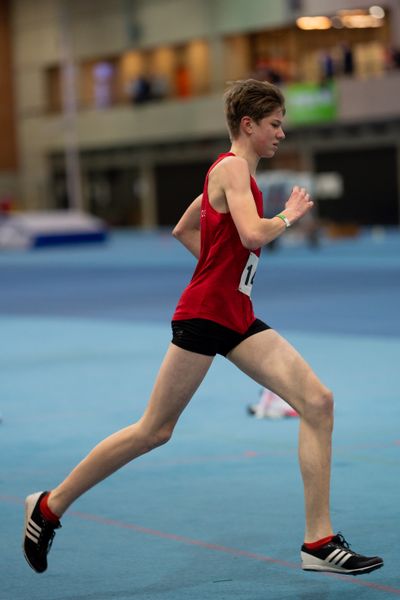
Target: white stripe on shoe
x=339 y=557
x=30 y=503
x=331 y=556
x=344 y=559
x=33 y=531
x=34 y=526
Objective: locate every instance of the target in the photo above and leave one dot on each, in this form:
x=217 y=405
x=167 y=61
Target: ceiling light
x=360 y=21
x=309 y=23
x=377 y=12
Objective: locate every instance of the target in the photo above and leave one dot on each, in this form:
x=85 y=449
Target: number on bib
x=249 y=272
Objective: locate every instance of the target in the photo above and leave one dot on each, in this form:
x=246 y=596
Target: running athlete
x=224 y=229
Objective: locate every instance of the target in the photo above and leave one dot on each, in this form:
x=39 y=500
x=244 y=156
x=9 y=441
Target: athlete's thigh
x=274 y=363
x=178 y=378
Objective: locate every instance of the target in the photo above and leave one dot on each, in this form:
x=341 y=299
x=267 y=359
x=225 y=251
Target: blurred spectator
x=140 y=90
x=270 y=406
x=103 y=73
x=348 y=59
x=146 y=88
x=327 y=66
x=265 y=71
x=395 y=57
x=310 y=228
x=5 y=206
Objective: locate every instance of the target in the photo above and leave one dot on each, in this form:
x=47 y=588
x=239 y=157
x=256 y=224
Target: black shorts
x=210 y=338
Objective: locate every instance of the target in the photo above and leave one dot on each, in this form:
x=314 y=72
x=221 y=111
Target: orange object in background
x=182 y=82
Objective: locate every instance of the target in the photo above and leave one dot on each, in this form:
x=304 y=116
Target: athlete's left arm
x=187 y=230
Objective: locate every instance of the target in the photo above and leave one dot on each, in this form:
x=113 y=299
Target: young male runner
x=224 y=228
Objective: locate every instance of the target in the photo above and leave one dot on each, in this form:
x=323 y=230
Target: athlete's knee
x=319 y=407
x=144 y=437
x=155 y=437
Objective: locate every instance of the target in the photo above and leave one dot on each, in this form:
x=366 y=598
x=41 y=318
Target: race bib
x=249 y=272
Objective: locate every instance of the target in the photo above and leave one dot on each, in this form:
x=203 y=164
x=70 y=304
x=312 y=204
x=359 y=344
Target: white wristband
x=285 y=220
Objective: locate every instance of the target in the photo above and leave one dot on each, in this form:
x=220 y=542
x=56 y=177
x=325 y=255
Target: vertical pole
x=147 y=195
x=69 y=104
x=216 y=46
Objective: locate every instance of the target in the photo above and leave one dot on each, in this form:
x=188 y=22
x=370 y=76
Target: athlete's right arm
x=255 y=231
x=187 y=230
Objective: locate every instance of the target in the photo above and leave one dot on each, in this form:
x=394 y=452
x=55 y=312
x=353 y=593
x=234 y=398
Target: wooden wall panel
x=8 y=144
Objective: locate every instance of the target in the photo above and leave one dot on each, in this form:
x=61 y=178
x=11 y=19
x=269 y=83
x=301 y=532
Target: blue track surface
x=218 y=512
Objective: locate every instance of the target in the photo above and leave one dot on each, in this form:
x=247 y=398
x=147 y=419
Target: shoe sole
x=30 y=503
x=328 y=569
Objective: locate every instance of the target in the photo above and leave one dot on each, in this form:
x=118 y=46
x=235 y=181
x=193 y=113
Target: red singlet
x=224 y=266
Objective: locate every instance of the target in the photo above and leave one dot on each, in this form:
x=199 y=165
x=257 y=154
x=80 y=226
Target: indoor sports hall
x=112 y=115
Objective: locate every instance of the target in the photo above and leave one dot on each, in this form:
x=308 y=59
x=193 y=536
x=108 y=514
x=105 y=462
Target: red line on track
x=251 y=454
x=214 y=547
x=226 y=549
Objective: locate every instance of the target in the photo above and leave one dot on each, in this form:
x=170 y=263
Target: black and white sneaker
x=336 y=557
x=38 y=533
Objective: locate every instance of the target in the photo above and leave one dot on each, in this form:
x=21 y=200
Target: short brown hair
x=251 y=98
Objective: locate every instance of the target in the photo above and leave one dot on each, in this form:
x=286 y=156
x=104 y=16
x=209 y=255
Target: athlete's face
x=267 y=134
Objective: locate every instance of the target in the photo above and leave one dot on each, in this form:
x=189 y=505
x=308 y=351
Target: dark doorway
x=112 y=195
x=370 y=186
x=177 y=185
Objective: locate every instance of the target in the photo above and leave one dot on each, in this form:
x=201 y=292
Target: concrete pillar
x=70 y=108
x=216 y=50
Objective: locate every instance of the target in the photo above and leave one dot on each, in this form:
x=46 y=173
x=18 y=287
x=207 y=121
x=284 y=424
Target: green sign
x=311 y=102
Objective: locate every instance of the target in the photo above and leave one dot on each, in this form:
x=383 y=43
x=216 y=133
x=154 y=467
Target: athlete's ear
x=247 y=124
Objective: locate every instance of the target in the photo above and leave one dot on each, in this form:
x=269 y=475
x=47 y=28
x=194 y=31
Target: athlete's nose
x=280 y=134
